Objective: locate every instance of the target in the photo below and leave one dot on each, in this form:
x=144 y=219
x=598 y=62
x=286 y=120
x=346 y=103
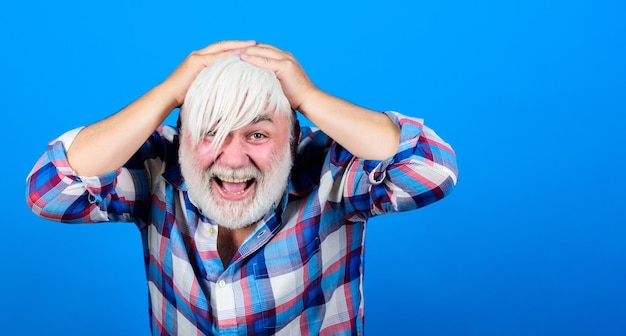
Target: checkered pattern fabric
x=300 y=270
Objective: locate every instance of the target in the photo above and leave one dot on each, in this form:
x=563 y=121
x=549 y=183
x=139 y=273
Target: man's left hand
x=295 y=82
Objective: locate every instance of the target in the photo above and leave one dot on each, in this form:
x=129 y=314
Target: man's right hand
x=107 y=144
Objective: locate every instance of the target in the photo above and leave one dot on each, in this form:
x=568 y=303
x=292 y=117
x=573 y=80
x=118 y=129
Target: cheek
x=203 y=155
x=267 y=157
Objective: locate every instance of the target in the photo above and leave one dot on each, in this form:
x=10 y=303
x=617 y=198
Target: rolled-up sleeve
x=422 y=171
x=54 y=191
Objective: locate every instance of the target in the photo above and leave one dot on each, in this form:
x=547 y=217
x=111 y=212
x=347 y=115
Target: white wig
x=227 y=95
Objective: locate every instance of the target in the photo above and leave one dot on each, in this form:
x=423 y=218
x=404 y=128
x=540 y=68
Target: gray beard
x=270 y=188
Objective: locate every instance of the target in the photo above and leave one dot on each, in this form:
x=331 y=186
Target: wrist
x=311 y=100
x=162 y=93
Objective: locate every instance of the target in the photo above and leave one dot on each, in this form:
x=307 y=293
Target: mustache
x=235 y=173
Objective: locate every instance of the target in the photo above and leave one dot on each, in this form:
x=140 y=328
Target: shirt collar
x=173 y=176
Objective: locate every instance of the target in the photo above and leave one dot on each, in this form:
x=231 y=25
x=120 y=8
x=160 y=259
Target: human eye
x=209 y=134
x=257 y=136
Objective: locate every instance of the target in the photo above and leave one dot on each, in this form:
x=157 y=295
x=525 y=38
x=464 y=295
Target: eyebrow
x=263 y=117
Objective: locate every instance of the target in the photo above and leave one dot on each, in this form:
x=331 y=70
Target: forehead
x=231 y=123
x=275 y=122
x=272 y=118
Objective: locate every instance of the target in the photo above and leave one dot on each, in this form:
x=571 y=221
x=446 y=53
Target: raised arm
x=365 y=133
x=106 y=145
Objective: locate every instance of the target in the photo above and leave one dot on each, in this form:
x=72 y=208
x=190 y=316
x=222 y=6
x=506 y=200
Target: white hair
x=227 y=95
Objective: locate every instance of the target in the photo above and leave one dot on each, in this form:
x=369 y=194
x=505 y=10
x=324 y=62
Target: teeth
x=232 y=179
x=234 y=193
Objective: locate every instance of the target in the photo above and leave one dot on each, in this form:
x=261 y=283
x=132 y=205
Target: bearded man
x=250 y=224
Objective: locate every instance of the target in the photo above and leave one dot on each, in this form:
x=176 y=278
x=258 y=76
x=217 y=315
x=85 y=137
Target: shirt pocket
x=288 y=283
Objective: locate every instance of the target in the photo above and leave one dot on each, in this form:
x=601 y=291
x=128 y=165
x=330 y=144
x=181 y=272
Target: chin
x=237 y=214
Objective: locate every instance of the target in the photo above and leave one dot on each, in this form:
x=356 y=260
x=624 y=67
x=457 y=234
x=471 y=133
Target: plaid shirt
x=300 y=271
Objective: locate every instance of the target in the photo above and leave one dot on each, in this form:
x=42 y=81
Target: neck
x=229 y=241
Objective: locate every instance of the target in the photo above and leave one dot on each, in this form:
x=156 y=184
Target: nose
x=233 y=152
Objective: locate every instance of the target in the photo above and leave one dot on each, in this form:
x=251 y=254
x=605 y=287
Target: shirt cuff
x=410 y=129
x=57 y=155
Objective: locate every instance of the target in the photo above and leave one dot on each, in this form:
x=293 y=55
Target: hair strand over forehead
x=228 y=95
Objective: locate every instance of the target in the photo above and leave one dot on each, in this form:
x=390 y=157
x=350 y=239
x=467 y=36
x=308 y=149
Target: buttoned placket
x=223 y=294
x=223 y=290
x=225 y=304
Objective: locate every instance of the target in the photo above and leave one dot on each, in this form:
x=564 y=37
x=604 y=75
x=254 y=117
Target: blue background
x=531 y=94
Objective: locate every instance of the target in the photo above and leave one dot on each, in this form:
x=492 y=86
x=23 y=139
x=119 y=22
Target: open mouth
x=233 y=185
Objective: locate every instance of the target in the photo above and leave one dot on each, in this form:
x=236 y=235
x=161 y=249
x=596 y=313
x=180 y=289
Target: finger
x=226 y=45
x=261 y=51
x=268 y=46
x=283 y=53
x=261 y=61
x=209 y=58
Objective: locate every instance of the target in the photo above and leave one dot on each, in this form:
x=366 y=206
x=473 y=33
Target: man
x=250 y=225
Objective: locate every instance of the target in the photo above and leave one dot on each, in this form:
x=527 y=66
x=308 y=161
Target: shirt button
x=221 y=283
x=212 y=231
